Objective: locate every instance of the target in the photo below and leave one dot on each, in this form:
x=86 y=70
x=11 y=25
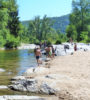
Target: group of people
x=49 y=52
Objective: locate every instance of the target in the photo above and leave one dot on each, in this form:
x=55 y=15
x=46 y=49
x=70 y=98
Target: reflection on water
x=17 y=60
x=26 y=60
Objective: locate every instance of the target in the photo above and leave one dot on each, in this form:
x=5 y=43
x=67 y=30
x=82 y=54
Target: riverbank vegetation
x=12 y=32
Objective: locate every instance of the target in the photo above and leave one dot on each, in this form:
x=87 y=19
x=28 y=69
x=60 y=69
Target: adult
x=53 y=52
x=38 y=55
x=75 y=47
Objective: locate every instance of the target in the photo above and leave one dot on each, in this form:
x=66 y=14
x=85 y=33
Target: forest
x=13 y=32
x=59 y=23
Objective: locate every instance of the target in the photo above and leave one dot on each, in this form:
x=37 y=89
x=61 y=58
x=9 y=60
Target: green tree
x=3 y=23
x=39 y=29
x=71 y=32
x=13 y=22
x=80 y=16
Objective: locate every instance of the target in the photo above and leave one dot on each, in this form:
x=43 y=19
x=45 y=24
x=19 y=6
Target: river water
x=15 y=62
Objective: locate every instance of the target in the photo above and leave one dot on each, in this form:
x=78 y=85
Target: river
x=15 y=62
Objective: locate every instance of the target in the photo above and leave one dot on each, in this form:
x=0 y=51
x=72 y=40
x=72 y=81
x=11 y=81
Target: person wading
x=38 y=55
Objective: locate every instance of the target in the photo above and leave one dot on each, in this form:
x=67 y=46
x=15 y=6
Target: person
x=75 y=47
x=47 y=52
x=71 y=41
x=40 y=45
x=50 y=51
x=53 y=52
x=38 y=55
x=45 y=44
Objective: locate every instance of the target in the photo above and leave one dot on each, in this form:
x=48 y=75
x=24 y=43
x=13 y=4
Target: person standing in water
x=38 y=55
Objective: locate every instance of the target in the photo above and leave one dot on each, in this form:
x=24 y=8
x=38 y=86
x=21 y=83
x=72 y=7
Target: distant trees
x=79 y=20
x=40 y=30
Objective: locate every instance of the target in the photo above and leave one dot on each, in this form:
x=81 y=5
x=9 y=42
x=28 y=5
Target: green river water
x=15 y=62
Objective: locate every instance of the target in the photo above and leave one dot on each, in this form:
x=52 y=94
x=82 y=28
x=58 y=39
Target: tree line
x=79 y=27
x=12 y=32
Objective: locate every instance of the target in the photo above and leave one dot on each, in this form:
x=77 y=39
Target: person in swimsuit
x=38 y=55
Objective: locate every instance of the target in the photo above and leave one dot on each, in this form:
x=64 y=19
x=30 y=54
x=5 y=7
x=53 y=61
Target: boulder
x=25 y=97
x=20 y=97
x=2 y=70
x=33 y=86
x=34 y=71
x=18 y=78
x=24 y=85
x=46 y=89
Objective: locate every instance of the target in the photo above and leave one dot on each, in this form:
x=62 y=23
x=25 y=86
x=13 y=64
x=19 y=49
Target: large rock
x=45 y=88
x=83 y=46
x=32 y=85
x=25 y=97
x=25 y=85
x=27 y=46
x=36 y=71
x=20 y=97
x=18 y=78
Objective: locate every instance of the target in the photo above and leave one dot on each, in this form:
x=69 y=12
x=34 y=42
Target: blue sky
x=28 y=9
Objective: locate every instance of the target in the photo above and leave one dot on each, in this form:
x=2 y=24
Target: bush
x=12 y=42
x=58 y=42
x=49 y=43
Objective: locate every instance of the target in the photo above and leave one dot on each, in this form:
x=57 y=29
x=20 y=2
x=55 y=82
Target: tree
x=80 y=16
x=13 y=23
x=39 y=28
x=71 y=32
x=45 y=27
x=10 y=27
x=3 y=23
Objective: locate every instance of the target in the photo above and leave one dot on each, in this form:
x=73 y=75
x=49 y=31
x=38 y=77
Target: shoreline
x=68 y=75
x=65 y=77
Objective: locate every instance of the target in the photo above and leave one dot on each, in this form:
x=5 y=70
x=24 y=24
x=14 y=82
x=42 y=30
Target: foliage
x=84 y=36
x=10 y=27
x=11 y=41
x=71 y=32
x=59 y=23
x=79 y=20
x=40 y=29
x=58 y=42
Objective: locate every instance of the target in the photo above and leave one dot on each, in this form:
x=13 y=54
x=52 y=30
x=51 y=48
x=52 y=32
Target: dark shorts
x=37 y=57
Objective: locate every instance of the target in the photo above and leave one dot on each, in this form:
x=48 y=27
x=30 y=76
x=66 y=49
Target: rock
x=2 y=98
x=18 y=78
x=3 y=87
x=33 y=86
x=20 y=97
x=36 y=71
x=47 y=59
x=2 y=70
x=25 y=97
x=27 y=46
x=24 y=85
x=46 y=89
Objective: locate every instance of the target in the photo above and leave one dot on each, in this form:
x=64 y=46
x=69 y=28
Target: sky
x=28 y=9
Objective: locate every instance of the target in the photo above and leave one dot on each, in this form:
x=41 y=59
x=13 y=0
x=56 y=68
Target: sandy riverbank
x=73 y=72
x=68 y=75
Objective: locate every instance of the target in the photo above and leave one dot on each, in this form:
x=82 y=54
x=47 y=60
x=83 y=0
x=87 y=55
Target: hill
x=60 y=23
